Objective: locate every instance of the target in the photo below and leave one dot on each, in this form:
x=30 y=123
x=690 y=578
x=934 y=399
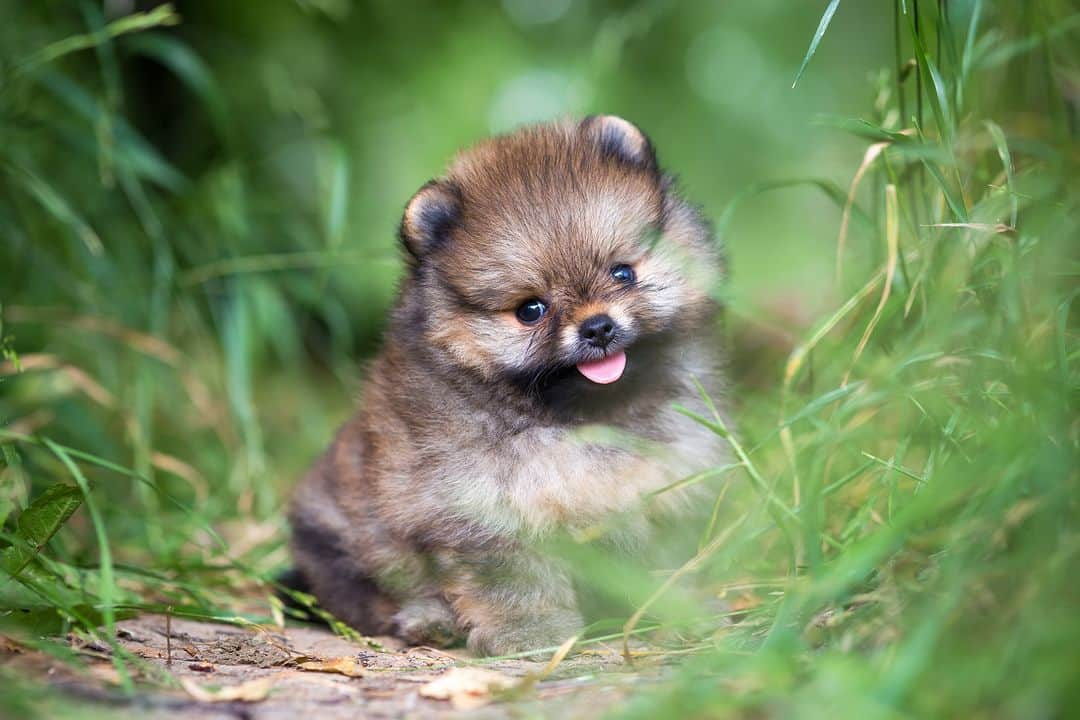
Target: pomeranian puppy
x=556 y=310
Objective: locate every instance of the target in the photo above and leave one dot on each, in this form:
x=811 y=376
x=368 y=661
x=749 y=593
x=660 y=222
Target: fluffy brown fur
x=476 y=435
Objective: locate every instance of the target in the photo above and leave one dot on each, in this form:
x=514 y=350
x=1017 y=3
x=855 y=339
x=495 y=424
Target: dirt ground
x=225 y=671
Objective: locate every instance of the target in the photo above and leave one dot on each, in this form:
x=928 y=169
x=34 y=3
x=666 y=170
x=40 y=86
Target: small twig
x=168 y=636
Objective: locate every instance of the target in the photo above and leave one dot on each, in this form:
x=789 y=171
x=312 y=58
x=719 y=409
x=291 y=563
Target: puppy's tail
x=294 y=580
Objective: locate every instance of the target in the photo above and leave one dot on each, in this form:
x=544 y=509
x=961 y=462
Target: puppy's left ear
x=621 y=139
x=430 y=218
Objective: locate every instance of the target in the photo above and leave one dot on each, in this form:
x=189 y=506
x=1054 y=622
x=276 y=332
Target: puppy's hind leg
x=337 y=578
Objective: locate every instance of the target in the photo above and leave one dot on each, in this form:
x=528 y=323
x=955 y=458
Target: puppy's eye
x=623 y=274
x=530 y=311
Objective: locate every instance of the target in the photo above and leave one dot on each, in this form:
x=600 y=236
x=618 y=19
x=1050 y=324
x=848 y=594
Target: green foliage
x=826 y=18
x=186 y=288
x=36 y=525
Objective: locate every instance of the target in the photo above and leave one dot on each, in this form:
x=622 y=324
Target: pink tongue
x=604 y=371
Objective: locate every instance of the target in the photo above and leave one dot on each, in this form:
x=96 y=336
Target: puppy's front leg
x=426 y=620
x=512 y=603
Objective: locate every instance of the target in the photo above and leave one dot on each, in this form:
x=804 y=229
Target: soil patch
x=209 y=670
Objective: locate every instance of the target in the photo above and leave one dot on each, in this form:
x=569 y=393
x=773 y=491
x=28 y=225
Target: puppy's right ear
x=620 y=139
x=430 y=217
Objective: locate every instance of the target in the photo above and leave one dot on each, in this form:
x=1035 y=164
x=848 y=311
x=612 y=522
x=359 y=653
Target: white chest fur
x=550 y=478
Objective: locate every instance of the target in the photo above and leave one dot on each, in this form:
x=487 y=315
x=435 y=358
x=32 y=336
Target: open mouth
x=606 y=370
x=593 y=369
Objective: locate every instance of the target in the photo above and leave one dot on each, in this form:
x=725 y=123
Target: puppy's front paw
x=426 y=621
x=519 y=633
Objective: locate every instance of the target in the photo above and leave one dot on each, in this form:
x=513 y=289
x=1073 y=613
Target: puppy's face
x=557 y=258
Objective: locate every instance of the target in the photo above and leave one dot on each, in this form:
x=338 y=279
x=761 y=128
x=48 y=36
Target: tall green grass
x=900 y=535
x=924 y=435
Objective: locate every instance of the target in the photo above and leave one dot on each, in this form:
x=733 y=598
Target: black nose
x=598 y=331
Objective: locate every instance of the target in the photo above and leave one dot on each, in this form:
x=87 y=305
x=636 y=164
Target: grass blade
x=892 y=241
x=108 y=580
x=54 y=204
x=841 y=241
x=826 y=18
x=161 y=16
x=1002 y=146
x=831 y=190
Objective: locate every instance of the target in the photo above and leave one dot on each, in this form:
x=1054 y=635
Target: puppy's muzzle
x=599 y=331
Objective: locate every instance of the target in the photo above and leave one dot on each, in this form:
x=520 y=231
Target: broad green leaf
x=38 y=523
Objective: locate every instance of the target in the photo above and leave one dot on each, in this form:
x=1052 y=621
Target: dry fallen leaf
x=466 y=687
x=346 y=666
x=250 y=691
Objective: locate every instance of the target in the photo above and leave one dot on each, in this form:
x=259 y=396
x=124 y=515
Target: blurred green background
x=322 y=118
x=234 y=182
